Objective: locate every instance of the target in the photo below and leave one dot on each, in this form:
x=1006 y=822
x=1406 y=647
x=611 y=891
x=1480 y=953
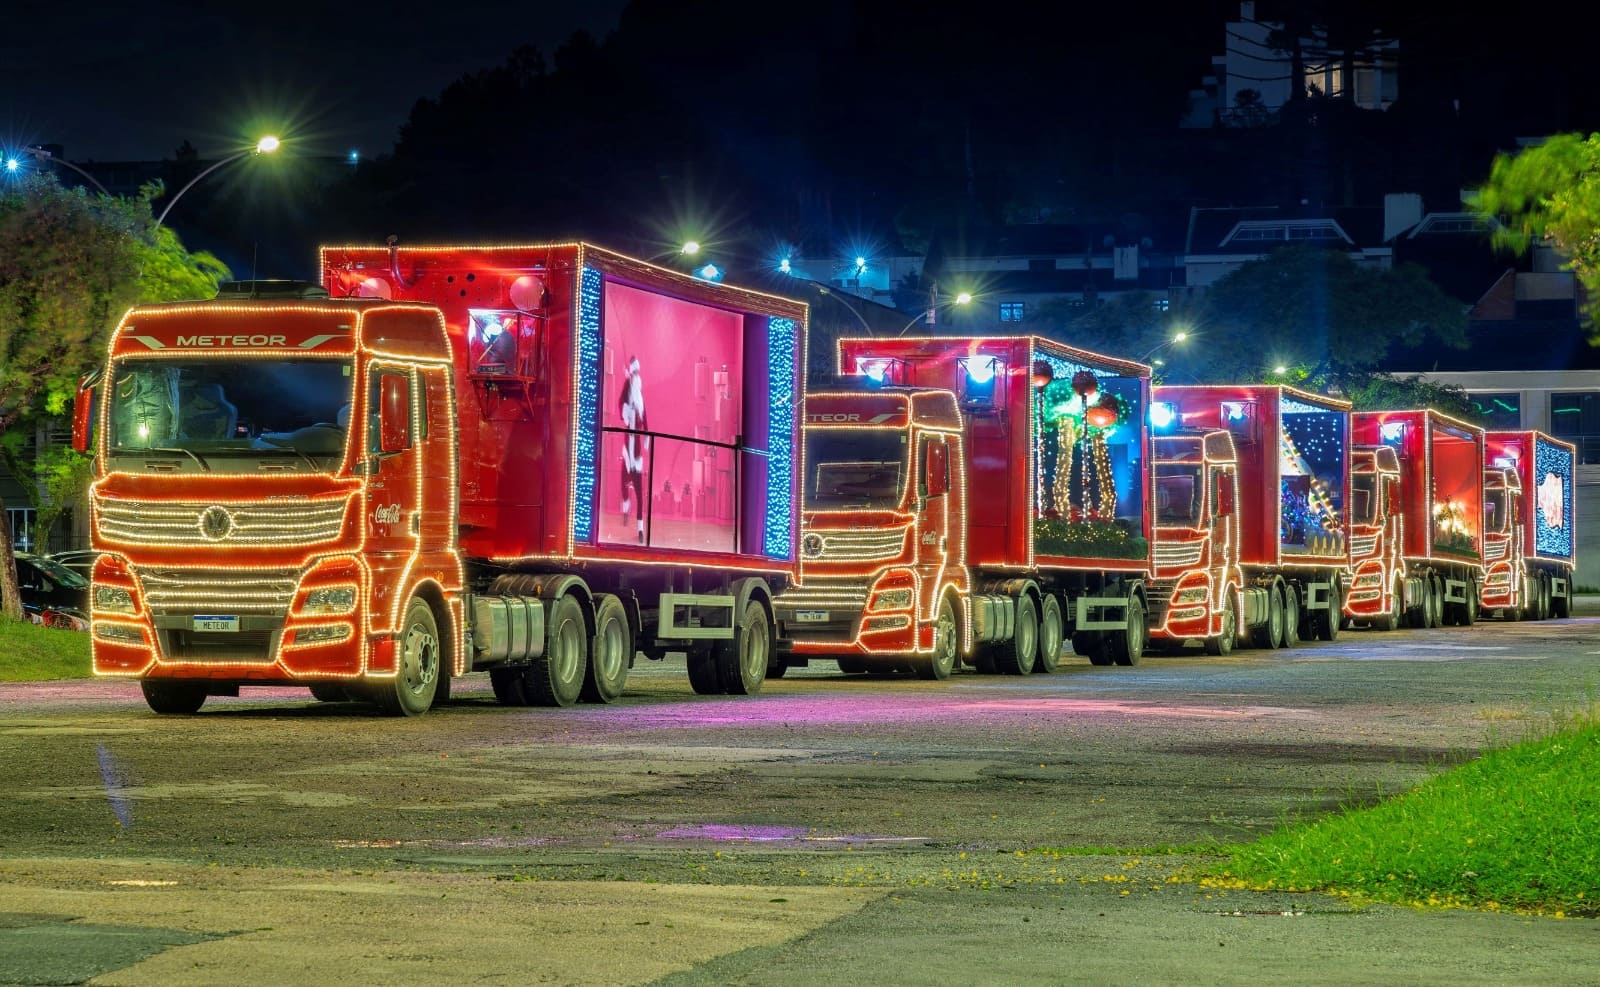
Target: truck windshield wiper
x=187 y=452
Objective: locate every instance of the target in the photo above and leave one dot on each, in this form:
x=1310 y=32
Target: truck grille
x=818 y=594
x=853 y=546
x=1178 y=553
x=1361 y=546
x=192 y=591
x=1494 y=550
x=256 y=523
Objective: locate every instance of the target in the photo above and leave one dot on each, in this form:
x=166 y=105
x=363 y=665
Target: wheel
x=946 y=645
x=1544 y=596
x=1417 y=612
x=1222 y=643
x=1127 y=646
x=609 y=652
x=173 y=698
x=1561 y=606
x=1291 y=616
x=1469 y=609
x=555 y=678
x=852 y=666
x=1328 y=622
x=1017 y=656
x=1269 y=635
x=508 y=686
x=1050 y=634
x=1391 y=620
x=1433 y=599
x=705 y=676
x=411 y=691
x=776 y=668
x=329 y=692
x=743 y=660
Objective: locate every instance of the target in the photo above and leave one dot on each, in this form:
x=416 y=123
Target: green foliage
x=1390 y=392
x=1512 y=830
x=1551 y=192
x=1087 y=539
x=1315 y=310
x=30 y=653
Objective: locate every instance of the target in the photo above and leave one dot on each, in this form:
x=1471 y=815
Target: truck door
x=933 y=519
x=393 y=509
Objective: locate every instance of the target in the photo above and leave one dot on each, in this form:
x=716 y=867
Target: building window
x=1010 y=311
x=21 y=519
x=1575 y=417
x=1163 y=304
x=1501 y=410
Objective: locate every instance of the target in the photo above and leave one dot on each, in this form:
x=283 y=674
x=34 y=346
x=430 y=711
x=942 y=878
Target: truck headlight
x=118 y=632
x=113 y=599
x=333 y=599
x=322 y=635
x=892 y=599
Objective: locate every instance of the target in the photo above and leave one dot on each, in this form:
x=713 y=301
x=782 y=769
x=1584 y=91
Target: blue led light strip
x=590 y=345
x=782 y=336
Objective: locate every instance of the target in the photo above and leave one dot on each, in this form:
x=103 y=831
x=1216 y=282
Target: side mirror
x=1224 y=494
x=83 y=413
x=394 y=413
x=938 y=469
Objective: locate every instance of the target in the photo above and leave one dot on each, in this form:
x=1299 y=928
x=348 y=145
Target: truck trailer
x=1251 y=489
x=1529 y=525
x=1434 y=510
x=531 y=460
x=973 y=498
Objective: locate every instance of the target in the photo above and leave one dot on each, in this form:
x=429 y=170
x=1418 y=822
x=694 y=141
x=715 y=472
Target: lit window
x=1011 y=312
x=1499 y=410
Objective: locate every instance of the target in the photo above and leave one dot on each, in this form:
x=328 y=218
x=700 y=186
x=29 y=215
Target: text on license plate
x=215 y=623
x=811 y=616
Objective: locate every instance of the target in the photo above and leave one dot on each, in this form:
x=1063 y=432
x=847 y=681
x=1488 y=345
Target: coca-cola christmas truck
x=1251 y=491
x=527 y=460
x=979 y=498
x=1438 y=506
x=1529 y=528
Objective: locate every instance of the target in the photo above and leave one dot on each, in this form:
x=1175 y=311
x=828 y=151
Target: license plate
x=215 y=623
x=811 y=616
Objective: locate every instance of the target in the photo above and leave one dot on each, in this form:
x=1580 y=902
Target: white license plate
x=213 y=623
x=811 y=616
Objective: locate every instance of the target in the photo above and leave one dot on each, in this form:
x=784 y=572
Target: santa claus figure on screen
x=634 y=446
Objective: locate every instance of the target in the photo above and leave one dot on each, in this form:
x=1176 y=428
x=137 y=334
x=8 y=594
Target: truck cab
x=1377 y=587
x=882 y=548
x=1197 y=583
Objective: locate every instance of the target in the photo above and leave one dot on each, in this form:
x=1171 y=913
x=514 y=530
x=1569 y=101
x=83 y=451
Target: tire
x=705 y=676
x=1469 y=609
x=329 y=692
x=173 y=698
x=743 y=661
x=1417 y=613
x=1291 y=616
x=1391 y=620
x=1270 y=634
x=1433 y=599
x=1050 y=634
x=1127 y=646
x=1018 y=655
x=1544 y=596
x=776 y=668
x=851 y=666
x=1222 y=644
x=1329 y=620
x=610 y=651
x=418 y=654
x=555 y=678
x=946 y=645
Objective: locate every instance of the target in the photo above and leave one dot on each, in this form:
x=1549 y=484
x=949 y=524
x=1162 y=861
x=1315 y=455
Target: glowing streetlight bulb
x=691 y=247
x=267 y=145
x=1179 y=337
x=963 y=298
x=1280 y=369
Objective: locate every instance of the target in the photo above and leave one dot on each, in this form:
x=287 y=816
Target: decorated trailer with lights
x=979 y=499
x=533 y=461
x=1251 y=495
x=1529 y=528
x=1438 y=507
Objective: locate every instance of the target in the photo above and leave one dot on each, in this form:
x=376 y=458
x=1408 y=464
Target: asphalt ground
x=833 y=829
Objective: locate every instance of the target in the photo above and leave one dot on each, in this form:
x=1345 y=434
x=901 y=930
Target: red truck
x=1423 y=558
x=1529 y=526
x=1251 y=490
x=972 y=498
x=444 y=461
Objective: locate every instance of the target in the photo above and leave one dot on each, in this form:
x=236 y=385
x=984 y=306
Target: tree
x=1551 y=192
x=70 y=264
x=1328 y=321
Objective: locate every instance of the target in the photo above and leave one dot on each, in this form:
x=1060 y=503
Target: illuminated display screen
x=1312 y=468
x=1552 y=499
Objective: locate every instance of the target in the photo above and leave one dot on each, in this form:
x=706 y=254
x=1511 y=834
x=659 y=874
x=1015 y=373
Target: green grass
x=29 y=653
x=1513 y=830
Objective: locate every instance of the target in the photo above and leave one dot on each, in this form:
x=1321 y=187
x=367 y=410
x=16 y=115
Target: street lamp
x=43 y=155
x=823 y=289
x=960 y=298
x=1177 y=337
x=265 y=145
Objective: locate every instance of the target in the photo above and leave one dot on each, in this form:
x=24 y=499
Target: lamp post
x=43 y=155
x=823 y=289
x=1177 y=337
x=960 y=298
x=265 y=145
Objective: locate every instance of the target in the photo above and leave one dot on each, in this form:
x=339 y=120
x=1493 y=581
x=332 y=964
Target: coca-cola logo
x=386 y=514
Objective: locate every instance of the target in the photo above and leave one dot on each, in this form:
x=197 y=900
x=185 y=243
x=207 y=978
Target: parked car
x=52 y=594
x=79 y=560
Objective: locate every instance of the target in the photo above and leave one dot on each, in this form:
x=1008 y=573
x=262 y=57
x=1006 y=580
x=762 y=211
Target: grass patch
x=1513 y=830
x=30 y=653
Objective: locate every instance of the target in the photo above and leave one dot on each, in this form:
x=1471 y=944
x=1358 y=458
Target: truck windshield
x=1178 y=494
x=854 y=468
x=1363 y=498
x=231 y=407
x=1495 y=516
